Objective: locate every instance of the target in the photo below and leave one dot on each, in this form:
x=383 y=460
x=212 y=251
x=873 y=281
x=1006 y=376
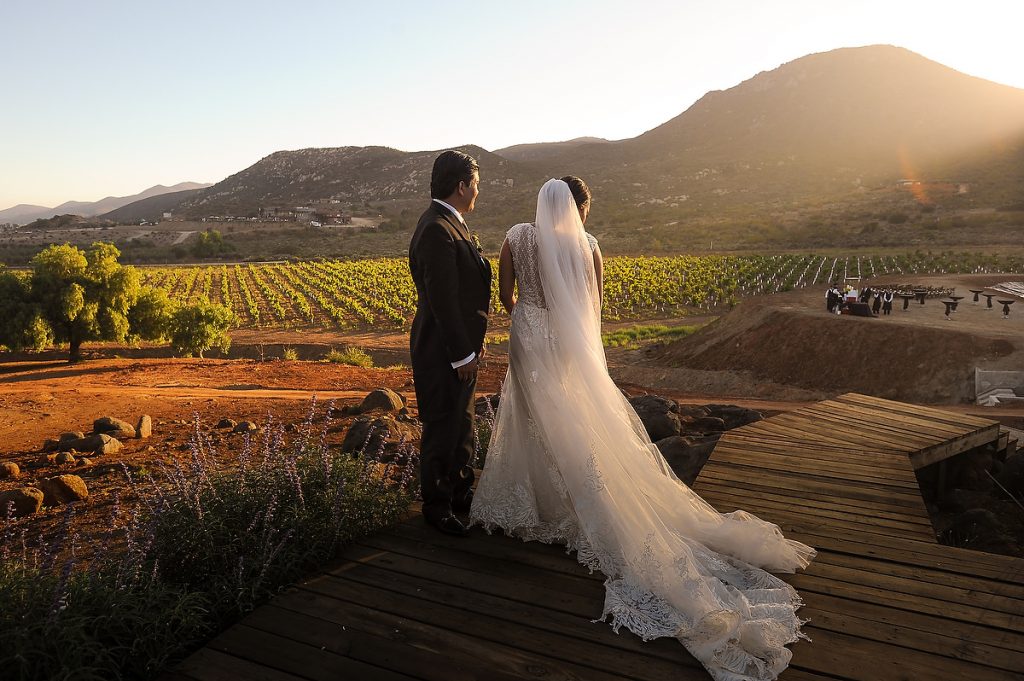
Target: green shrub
x=352 y=356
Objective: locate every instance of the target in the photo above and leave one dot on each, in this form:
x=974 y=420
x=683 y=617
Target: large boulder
x=114 y=427
x=63 y=489
x=97 y=444
x=144 y=428
x=245 y=427
x=686 y=456
x=731 y=415
x=71 y=435
x=701 y=424
x=981 y=529
x=487 y=404
x=660 y=416
x=1012 y=475
x=9 y=471
x=383 y=399
x=369 y=435
x=26 y=500
x=227 y=423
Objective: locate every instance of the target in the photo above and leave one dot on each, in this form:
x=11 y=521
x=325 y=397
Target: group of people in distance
x=836 y=297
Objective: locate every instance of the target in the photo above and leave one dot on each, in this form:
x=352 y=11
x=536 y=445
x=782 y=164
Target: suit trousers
x=446 y=453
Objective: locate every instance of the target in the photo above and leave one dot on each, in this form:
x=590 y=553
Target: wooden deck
x=886 y=602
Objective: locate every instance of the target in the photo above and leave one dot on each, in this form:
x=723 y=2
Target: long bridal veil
x=674 y=565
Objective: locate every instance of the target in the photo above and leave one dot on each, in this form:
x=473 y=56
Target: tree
x=84 y=296
x=209 y=244
x=21 y=324
x=196 y=328
x=150 y=317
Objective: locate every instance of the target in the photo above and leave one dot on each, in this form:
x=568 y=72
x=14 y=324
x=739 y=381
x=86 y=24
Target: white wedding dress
x=570 y=462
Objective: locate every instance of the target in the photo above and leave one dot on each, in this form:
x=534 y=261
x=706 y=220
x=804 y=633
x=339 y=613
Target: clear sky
x=109 y=97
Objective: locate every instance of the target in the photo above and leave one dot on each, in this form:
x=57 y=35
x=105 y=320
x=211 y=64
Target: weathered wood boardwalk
x=886 y=602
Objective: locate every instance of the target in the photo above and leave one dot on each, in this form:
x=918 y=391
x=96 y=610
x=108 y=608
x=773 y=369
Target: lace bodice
x=522 y=240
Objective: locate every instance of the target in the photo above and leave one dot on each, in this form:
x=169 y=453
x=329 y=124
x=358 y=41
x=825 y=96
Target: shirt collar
x=458 y=215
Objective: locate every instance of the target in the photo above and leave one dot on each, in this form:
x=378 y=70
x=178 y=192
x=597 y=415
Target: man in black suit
x=453 y=283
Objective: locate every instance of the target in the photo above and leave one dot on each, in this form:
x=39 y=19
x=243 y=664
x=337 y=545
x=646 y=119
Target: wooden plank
x=404 y=646
x=984 y=589
x=208 y=664
x=789 y=519
x=841 y=470
x=931 y=455
x=801 y=430
x=307 y=661
x=827 y=509
x=812 y=501
x=796 y=485
x=873 y=593
x=890 y=419
x=845 y=435
x=861 y=659
x=519 y=624
x=933 y=413
x=890 y=428
x=971 y=642
x=883 y=460
x=952 y=559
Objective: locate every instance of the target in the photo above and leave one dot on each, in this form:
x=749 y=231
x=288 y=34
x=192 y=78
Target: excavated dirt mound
x=914 y=355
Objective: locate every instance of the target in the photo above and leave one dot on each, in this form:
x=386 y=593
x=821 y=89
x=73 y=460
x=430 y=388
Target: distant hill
x=822 y=124
x=23 y=214
x=544 y=151
x=150 y=209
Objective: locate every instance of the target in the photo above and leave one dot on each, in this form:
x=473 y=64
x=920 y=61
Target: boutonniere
x=476 y=241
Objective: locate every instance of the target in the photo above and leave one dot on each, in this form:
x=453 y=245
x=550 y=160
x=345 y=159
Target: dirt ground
x=772 y=354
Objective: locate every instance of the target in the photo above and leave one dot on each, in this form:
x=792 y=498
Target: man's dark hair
x=580 y=190
x=450 y=168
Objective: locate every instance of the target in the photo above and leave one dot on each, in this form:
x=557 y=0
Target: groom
x=453 y=283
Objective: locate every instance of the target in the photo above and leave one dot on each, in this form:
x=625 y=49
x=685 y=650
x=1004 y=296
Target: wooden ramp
x=886 y=602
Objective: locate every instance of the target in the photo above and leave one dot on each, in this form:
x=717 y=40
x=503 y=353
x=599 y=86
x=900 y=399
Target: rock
x=97 y=444
x=970 y=470
x=959 y=500
x=731 y=415
x=653 y=403
x=227 y=423
x=63 y=489
x=686 y=456
x=245 y=427
x=1012 y=475
x=487 y=404
x=72 y=435
x=981 y=529
x=367 y=434
x=9 y=471
x=85 y=461
x=384 y=399
x=144 y=428
x=702 y=424
x=51 y=445
x=27 y=501
x=660 y=416
x=65 y=458
x=114 y=427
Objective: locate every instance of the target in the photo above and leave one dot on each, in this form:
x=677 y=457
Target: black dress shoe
x=449 y=524
x=463 y=504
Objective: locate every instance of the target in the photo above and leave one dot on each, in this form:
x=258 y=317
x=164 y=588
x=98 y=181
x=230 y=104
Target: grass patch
x=290 y=354
x=634 y=336
x=351 y=356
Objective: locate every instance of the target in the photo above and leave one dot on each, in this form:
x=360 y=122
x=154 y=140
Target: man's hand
x=482 y=354
x=468 y=371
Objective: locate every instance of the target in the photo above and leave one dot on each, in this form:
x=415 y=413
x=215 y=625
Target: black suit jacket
x=453 y=285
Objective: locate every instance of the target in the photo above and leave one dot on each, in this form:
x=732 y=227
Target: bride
x=570 y=462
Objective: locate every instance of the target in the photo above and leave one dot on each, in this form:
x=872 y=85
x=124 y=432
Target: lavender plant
x=201 y=543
